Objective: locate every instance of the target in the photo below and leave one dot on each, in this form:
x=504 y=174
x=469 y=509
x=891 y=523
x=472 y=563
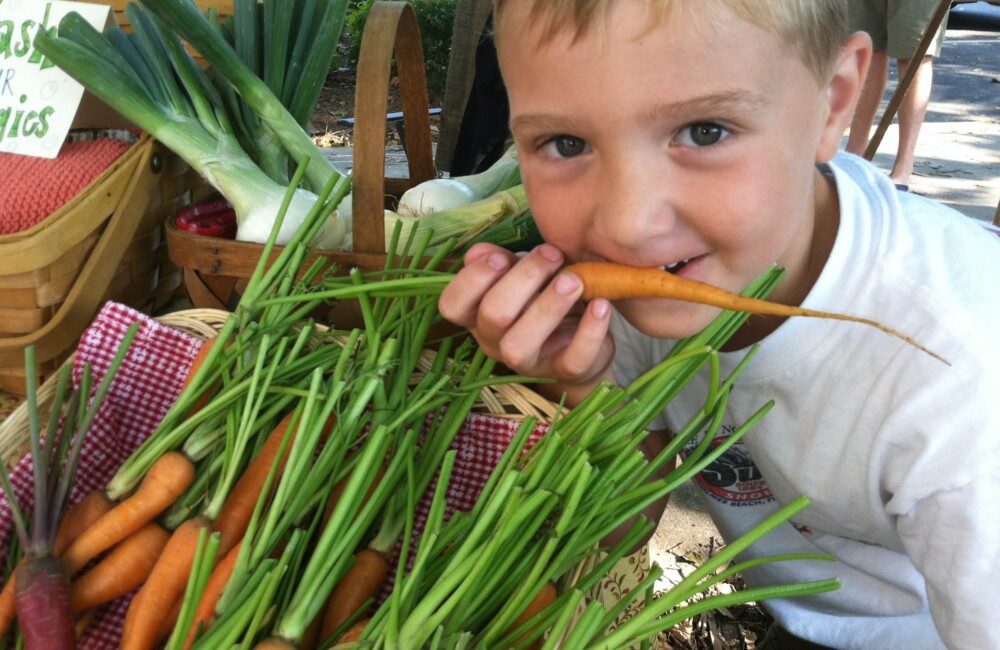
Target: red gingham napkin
x=147 y=384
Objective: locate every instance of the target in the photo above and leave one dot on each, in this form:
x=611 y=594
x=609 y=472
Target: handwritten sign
x=37 y=99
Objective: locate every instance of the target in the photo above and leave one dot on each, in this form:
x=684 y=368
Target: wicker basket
x=506 y=400
x=105 y=244
x=216 y=270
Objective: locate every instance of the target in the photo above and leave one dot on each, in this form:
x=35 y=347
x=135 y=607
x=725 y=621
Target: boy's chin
x=666 y=319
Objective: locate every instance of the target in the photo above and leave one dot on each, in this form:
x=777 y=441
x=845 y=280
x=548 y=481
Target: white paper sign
x=37 y=99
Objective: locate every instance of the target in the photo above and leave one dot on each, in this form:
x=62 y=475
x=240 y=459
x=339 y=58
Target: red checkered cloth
x=147 y=384
x=36 y=187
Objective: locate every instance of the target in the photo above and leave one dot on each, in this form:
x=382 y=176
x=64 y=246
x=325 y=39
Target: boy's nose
x=635 y=205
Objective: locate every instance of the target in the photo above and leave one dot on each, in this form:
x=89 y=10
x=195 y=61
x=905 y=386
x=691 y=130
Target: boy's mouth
x=675 y=267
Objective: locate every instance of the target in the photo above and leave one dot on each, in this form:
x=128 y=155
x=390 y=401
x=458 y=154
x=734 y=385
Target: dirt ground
x=336 y=102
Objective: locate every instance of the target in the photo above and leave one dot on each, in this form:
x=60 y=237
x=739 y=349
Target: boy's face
x=693 y=143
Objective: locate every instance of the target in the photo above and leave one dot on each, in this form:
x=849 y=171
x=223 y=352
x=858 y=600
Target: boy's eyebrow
x=708 y=106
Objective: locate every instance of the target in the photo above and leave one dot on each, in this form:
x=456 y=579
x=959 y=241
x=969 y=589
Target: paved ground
x=958 y=163
x=958 y=153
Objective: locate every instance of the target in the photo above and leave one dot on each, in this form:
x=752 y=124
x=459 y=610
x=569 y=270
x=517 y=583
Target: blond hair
x=815 y=28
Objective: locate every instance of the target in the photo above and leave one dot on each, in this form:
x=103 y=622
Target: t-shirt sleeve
x=953 y=538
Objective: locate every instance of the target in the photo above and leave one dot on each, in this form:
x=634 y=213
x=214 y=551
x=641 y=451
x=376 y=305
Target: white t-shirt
x=898 y=453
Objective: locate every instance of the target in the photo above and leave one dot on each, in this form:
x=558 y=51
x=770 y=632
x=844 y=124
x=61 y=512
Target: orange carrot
x=235 y=513
x=353 y=633
x=166 y=480
x=619 y=282
x=545 y=597
x=83 y=622
x=205 y=612
x=125 y=568
x=196 y=364
x=8 y=607
x=163 y=587
x=77 y=519
x=361 y=583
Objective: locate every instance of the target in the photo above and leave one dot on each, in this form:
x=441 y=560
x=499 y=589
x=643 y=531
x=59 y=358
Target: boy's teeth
x=675 y=265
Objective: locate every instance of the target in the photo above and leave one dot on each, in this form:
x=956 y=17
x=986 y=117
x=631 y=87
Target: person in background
x=703 y=138
x=896 y=27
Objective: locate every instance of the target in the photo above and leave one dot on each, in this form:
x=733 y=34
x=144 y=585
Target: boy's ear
x=842 y=91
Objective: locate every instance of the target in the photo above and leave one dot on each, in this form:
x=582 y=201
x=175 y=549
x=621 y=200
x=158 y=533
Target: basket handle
x=390 y=27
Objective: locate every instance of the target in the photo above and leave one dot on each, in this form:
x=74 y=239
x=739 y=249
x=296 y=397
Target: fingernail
x=550 y=253
x=566 y=284
x=600 y=308
x=497 y=262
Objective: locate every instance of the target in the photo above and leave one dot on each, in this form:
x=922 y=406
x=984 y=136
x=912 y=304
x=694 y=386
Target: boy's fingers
x=460 y=300
x=591 y=350
x=517 y=291
x=540 y=330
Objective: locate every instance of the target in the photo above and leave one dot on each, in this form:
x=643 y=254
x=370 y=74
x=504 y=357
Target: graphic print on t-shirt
x=733 y=478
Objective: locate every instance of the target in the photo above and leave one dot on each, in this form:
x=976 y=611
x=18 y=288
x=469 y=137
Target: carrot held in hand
x=166 y=480
x=619 y=282
x=125 y=568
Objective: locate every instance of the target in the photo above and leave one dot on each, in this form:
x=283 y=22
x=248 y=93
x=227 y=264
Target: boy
x=702 y=136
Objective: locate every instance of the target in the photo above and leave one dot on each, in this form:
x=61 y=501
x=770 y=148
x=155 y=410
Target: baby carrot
x=79 y=518
x=359 y=585
x=545 y=597
x=125 y=568
x=619 y=282
x=166 y=480
x=163 y=587
x=236 y=511
x=213 y=589
x=196 y=365
x=353 y=633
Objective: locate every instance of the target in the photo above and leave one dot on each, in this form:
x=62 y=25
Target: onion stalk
x=438 y=194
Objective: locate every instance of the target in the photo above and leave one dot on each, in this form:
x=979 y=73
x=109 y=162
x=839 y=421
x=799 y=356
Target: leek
x=150 y=79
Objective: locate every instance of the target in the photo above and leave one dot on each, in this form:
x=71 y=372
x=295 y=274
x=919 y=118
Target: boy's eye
x=702 y=134
x=568 y=146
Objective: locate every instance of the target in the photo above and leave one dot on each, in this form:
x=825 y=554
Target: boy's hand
x=527 y=315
